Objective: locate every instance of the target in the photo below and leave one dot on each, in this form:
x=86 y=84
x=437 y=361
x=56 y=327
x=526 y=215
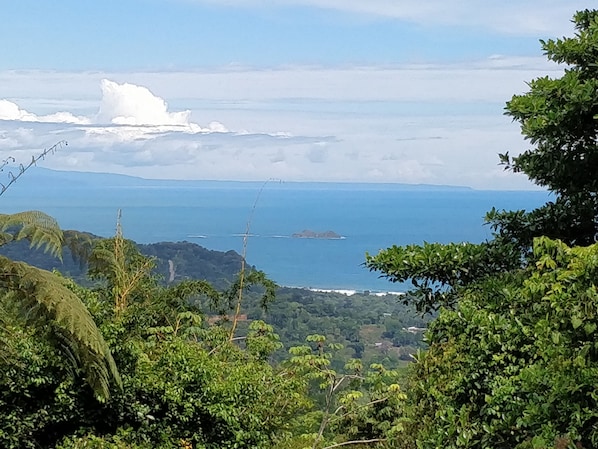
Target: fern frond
x=43 y=294
x=102 y=262
x=80 y=245
x=37 y=227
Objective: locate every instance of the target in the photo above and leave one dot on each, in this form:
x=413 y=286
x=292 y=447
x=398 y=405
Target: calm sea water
x=215 y=215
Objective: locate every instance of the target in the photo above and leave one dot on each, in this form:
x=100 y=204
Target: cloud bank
x=12 y=111
x=135 y=132
x=413 y=124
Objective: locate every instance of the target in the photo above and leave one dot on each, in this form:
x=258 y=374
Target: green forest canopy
x=512 y=358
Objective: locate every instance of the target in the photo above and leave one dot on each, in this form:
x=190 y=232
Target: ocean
x=216 y=215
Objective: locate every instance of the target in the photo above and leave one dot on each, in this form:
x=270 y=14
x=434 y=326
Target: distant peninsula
x=309 y=234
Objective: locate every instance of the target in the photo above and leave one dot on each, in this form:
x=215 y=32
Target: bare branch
x=243 y=256
x=23 y=168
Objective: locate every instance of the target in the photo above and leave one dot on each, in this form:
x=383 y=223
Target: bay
x=216 y=215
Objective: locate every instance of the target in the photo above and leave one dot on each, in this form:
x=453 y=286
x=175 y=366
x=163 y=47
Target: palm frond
x=43 y=295
x=37 y=227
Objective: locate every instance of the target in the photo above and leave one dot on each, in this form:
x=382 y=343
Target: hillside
x=374 y=328
x=175 y=261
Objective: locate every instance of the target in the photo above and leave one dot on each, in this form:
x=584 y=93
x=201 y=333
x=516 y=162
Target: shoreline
x=351 y=292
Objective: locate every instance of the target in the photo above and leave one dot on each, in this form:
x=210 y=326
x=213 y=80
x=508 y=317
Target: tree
x=560 y=118
x=512 y=358
x=185 y=383
x=516 y=364
x=41 y=296
x=125 y=270
x=559 y=115
x=358 y=406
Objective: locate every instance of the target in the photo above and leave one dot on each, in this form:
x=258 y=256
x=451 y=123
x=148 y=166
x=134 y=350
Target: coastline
x=348 y=292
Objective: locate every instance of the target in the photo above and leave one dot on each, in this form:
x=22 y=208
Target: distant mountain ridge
x=62 y=178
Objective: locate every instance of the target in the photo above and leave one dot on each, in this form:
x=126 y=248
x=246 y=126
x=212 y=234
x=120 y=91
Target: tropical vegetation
x=512 y=354
x=129 y=360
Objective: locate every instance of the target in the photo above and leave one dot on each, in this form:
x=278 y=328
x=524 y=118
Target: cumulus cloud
x=420 y=124
x=140 y=114
x=129 y=104
x=134 y=131
x=127 y=112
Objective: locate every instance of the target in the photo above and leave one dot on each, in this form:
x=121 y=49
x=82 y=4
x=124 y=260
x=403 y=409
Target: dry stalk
x=243 y=256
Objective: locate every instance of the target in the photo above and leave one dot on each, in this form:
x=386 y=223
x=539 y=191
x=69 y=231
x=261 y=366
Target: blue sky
x=146 y=34
x=299 y=90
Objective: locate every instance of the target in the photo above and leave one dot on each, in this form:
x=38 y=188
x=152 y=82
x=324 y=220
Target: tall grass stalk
x=243 y=256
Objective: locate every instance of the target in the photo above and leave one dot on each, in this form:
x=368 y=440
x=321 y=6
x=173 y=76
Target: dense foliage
x=512 y=361
x=185 y=382
x=516 y=365
x=137 y=360
x=558 y=117
x=370 y=327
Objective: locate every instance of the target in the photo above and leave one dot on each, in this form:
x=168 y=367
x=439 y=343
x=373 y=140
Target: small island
x=308 y=234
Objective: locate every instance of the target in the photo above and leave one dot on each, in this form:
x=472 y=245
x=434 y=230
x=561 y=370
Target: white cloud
x=491 y=79
x=533 y=17
x=141 y=114
x=12 y=111
x=128 y=104
x=127 y=112
x=419 y=124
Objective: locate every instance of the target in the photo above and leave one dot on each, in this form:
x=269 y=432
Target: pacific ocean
x=216 y=215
